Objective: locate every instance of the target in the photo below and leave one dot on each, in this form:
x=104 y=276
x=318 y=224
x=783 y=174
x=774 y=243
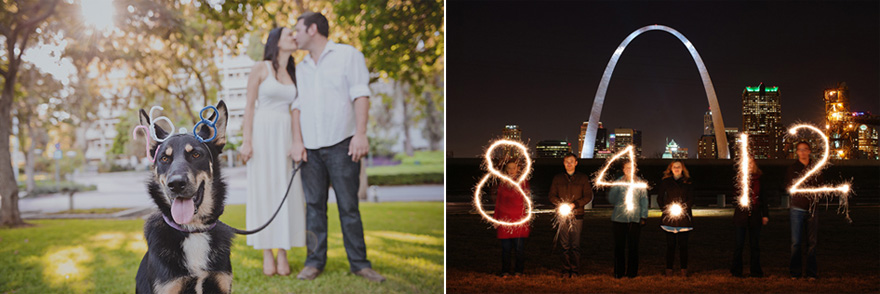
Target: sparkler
x=515 y=183
x=675 y=211
x=818 y=192
x=744 y=171
x=630 y=184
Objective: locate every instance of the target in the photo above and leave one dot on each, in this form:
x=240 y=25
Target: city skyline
x=500 y=82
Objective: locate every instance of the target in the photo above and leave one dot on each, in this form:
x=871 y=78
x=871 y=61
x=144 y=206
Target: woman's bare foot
x=283 y=266
x=268 y=263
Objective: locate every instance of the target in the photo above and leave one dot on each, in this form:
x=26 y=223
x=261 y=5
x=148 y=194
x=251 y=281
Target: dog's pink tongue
x=182 y=210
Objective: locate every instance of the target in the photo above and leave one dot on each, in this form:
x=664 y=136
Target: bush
x=49 y=187
x=405 y=179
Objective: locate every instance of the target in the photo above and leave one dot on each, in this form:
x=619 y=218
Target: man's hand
x=358 y=147
x=643 y=222
x=298 y=152
x=764 y=220
x=246 y=152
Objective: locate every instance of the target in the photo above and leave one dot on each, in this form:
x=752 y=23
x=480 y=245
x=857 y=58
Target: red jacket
x=510 y=206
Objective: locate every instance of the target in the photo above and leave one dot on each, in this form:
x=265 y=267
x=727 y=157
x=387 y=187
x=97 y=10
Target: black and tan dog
x=188 y=247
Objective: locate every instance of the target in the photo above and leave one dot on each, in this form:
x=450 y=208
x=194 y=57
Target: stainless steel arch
x=593 y=126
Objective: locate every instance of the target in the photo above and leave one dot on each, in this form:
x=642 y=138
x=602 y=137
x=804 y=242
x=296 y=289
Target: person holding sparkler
x=802 y=214
x=676 y=198
x=750 y=218
x=627 y=224
x=570 y=192
x=510 y=205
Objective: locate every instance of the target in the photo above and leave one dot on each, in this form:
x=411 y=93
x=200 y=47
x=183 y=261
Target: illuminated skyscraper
x=601 y=139
x=553 y=148
x=850 y=133
x=626 y=137
x=707 y=147
x=708 y=126
x=674 y=151
x=512 y=132
x=762 y=121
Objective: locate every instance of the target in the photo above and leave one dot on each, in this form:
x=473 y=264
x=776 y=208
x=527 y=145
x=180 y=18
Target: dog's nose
x=177 y=183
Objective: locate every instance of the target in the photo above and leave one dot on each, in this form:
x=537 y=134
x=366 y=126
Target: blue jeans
x=333 y=165
x=513 y=244
x=803 y=224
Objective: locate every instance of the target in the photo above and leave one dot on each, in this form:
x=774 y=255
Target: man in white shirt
x=330 y=136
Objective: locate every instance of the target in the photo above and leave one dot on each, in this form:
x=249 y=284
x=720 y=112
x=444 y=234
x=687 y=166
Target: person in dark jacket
x=510 y=206
x=804 y=221
x=676 y=198
x=573 y=189
x=750 y=219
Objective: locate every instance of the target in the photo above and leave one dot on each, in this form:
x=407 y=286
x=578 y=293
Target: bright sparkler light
x=630 y=184
x=796 y=187
x=494 y=172
x=744 y=171
x=674 y=211
x=564 y=209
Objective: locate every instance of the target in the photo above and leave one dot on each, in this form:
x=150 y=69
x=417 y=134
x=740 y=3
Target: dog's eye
x=165 y=159
x=196 y=155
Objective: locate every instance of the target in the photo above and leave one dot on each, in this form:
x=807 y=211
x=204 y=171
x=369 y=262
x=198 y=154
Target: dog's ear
x=206 y=131
x=143 y=118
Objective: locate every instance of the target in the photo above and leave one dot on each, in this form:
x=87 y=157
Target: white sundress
x=269 y=169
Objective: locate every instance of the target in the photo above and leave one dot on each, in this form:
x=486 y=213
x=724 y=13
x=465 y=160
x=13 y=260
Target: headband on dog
x=150 y=131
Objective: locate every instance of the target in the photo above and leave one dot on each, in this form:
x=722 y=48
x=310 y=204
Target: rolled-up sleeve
x=297 y=104
x=358 y=76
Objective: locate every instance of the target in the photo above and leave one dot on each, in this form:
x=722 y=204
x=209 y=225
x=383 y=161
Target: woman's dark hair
x=271 y=53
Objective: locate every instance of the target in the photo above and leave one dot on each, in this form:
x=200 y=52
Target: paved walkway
x=128 y=189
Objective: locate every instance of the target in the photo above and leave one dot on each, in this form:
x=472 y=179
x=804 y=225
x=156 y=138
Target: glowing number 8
x=495 y=172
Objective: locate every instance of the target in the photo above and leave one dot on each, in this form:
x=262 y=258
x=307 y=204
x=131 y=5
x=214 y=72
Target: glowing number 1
x=744 y=171
x=796 y=188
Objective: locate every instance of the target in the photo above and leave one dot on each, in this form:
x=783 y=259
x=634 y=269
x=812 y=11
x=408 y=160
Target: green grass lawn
x=428 y=162
x=404 y=243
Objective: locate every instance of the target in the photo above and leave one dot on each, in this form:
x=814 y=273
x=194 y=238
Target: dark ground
x=848 y=256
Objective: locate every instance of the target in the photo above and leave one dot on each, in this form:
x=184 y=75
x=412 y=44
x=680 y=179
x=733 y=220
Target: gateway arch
x=592 y=127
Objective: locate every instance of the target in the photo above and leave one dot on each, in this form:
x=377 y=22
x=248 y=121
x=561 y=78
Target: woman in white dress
x=271 y=90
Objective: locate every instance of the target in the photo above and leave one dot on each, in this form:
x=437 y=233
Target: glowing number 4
x=630 y=184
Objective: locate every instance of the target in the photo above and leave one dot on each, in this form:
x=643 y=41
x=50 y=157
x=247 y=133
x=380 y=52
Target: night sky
x=538 y=65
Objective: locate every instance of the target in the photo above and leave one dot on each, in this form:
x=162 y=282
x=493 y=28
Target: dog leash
x=290 y=184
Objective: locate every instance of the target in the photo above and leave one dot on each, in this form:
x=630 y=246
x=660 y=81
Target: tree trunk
x=9 y=213
x=402 y=90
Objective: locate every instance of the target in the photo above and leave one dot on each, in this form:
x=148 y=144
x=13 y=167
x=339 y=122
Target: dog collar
x=177 y=227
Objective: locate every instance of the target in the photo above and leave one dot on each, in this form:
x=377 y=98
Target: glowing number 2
x=796 y=188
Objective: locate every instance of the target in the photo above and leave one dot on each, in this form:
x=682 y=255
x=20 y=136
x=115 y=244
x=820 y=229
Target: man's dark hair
x=805 y=143
x=318 y=19
x=569 y=155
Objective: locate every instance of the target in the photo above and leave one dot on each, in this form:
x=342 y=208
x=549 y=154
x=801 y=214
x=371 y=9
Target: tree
x=402 y=42
x=18 y=24
x=35 y=102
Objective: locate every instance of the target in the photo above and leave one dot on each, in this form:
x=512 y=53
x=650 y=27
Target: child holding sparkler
x=510 y=205
x=750 y=218
x=627 y=224
x=676 y=198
